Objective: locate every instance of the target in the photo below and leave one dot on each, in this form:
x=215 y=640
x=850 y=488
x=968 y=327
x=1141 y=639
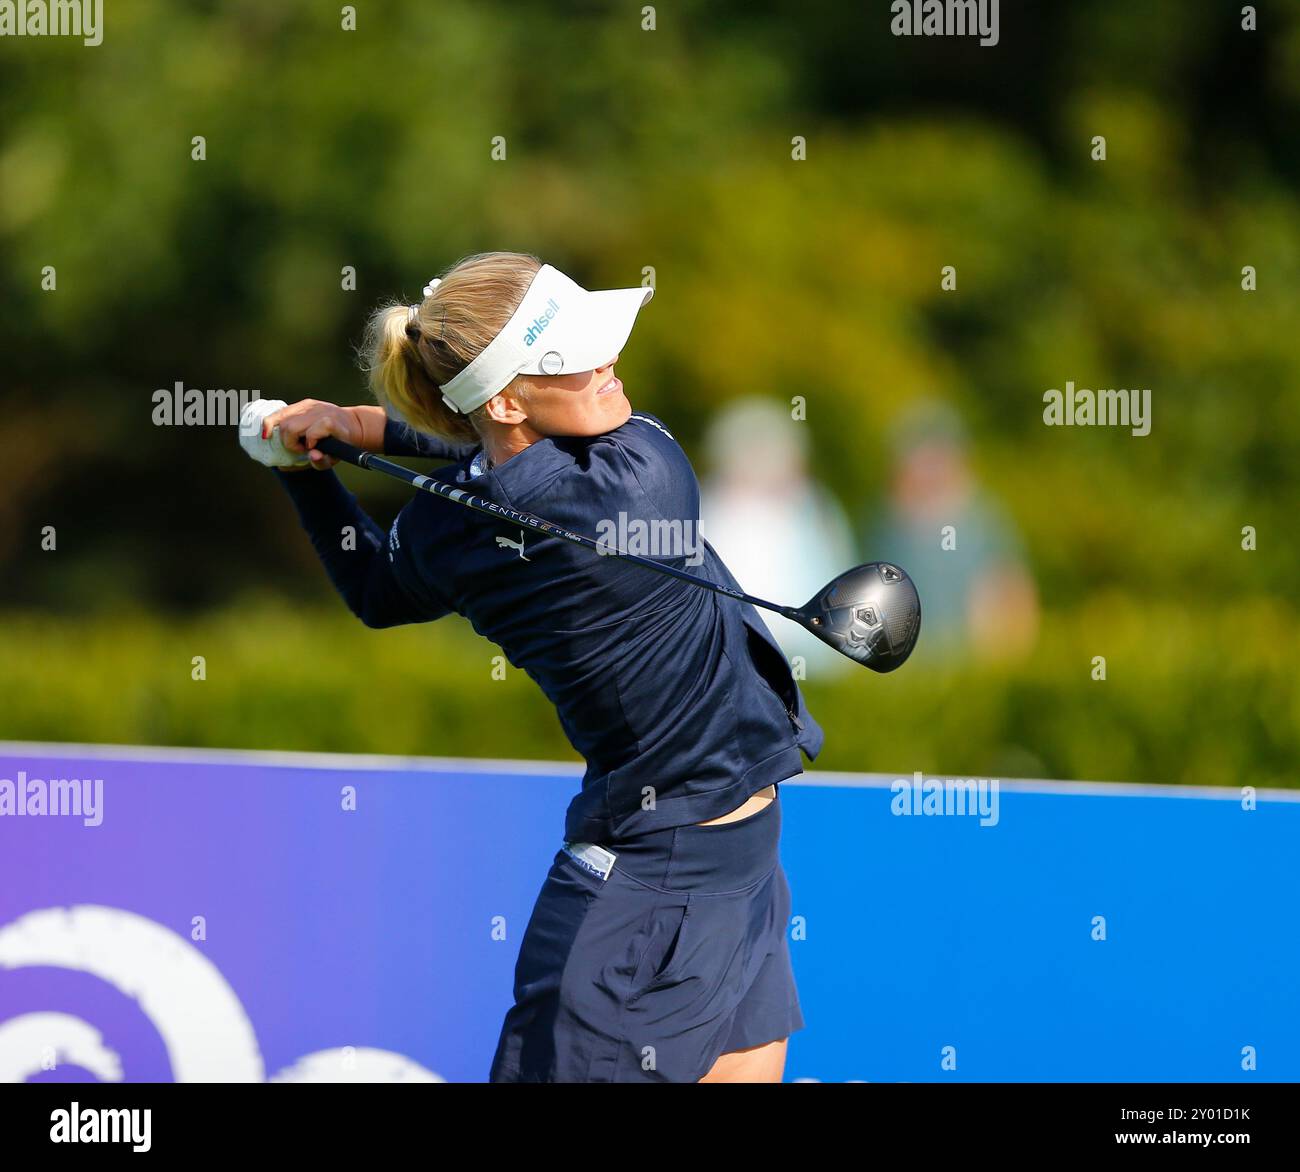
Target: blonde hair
x=408 y=359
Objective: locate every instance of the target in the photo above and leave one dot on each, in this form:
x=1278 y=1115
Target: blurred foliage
x=669 y=149
x=286 y=677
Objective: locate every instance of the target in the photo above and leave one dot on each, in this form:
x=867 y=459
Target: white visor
x=559 y=328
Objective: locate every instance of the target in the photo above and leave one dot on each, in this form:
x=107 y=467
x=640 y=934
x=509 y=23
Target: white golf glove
x=270 y=452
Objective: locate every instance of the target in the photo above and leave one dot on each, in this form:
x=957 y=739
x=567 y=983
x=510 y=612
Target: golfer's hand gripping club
x=342 y=450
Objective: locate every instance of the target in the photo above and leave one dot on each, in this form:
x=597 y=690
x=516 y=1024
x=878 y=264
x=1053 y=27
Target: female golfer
x=657 y=949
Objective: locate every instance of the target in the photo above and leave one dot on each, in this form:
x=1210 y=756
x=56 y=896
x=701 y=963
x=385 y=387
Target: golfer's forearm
x=387 y=437
x=351 y=548
x=371 y=421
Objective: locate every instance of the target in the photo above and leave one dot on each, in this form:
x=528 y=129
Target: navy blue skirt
x=645 y=960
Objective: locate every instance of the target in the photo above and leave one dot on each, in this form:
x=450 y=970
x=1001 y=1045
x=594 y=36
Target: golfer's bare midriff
x=754 y=803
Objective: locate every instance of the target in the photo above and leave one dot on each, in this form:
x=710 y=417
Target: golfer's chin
x=608 y=412
x=620 y=410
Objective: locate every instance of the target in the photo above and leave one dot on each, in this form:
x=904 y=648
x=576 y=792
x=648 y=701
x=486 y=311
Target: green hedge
x=1181 y=703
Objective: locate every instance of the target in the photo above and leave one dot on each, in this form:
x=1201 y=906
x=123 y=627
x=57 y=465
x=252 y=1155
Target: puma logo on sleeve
x=506 y=543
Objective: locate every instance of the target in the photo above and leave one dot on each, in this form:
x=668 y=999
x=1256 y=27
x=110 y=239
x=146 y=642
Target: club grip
x=331 y=445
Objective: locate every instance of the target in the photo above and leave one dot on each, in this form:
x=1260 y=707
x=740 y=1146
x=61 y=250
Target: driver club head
x=871 y=613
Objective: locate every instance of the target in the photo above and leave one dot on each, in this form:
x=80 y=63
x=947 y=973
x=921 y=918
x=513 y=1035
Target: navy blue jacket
x=678 y=698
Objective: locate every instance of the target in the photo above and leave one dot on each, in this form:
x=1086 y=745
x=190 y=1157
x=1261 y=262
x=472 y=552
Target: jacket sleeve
x=380 y=588
x=401 y=439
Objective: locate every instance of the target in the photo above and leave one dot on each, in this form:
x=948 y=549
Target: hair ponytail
x=408 y=358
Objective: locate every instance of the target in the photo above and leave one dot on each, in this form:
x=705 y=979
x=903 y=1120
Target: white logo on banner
x=200 y=1020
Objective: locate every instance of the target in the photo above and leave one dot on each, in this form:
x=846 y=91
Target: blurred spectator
x=780 y=533
x=958 y=543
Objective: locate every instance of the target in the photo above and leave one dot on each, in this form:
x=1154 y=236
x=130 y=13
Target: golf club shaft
x=340 y=450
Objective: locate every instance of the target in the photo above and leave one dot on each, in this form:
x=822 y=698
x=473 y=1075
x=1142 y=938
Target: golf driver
x=871 y=613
